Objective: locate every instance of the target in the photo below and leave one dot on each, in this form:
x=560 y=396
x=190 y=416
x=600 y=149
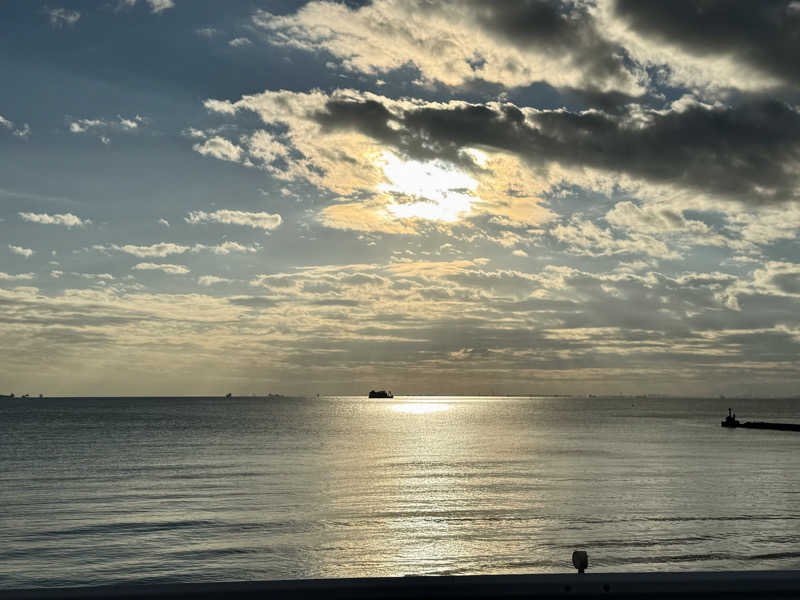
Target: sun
x=437 y=191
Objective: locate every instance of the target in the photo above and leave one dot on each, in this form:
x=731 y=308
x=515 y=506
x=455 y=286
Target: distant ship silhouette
x=732 y=422
x=380 y=394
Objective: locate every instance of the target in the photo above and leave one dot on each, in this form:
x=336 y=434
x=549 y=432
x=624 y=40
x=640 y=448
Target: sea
x=162 y=490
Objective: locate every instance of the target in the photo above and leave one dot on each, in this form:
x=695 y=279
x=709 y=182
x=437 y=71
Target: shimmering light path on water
x=118 y=490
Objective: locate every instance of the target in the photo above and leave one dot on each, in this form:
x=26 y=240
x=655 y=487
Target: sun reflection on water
x=420 y=408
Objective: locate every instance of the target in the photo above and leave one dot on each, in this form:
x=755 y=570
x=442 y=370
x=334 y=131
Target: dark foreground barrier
x=686 y=586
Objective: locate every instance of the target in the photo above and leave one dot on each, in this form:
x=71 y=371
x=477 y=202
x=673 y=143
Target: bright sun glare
x=441 y=192
x=420 y=408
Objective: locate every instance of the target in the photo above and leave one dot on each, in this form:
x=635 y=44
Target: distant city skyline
x=546 y=197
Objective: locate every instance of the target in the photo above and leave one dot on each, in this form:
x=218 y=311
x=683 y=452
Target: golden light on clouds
x=413 y=192
x=379 y=188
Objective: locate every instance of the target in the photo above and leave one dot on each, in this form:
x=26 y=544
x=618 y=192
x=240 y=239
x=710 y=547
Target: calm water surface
x=166 y=490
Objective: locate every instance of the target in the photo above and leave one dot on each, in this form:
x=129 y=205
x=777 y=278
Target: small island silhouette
x=380 y=394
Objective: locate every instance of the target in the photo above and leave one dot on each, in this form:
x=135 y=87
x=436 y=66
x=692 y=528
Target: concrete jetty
x=730 y=584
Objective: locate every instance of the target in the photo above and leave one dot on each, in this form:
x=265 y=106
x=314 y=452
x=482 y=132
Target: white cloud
x=23 y=132
x=164 y=249
x=26 y=252
x=67 y=219
x=102 y=127
x=520 y=253
x=194 y=133
x=239 y=42
x=83 y=125
x=96 y=276
x=163 y=222
x=61 y=16
x=209 y=280
x=257 y=220
x=56 y=274
x=264 y=147
x=159 y=250
x=587 y=239
x=166 y=268
x=19 y=277
x=220 y=106
x=156 y=6
x=230 y=247
x=220 y=148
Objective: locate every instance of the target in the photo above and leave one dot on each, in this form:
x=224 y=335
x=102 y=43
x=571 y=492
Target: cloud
x=83 y=125
x=26 y=252
x=101 y=127
x=745 y=45
x=67 y=219
x=206 y=32
x=220 y=148
x=209 y=280
x=163 y=222
x=226 y=248
x=59 y=17
x=240 y=42
x=364 y=216
x=510 y=158
x=427 y=317
x=156 y=6
x=96 y=276
x=652 y=219
x=160 y=250
x=166 y=268
x=513 y=43
x=252 y=302
x=191 y=132
x=585 y=238
x=327 y=147
x=774 y=278
x=264 y=148
x=56 y=274
x=130 y=123
x=163 y=249
x=617 y=46
x=23 y=132
x=17 y=277
x=256 y=220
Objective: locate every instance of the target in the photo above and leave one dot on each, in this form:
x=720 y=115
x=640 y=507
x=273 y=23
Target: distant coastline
x=250 y=396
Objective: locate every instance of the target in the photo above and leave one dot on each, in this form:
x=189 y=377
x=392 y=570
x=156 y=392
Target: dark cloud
x=611 y=102
x=748 y=152
x=334 y=302
x=558 y=29
x=765 y=34
x=253 y=301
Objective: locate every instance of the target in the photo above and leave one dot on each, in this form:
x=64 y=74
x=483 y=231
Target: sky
x=432 y=197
